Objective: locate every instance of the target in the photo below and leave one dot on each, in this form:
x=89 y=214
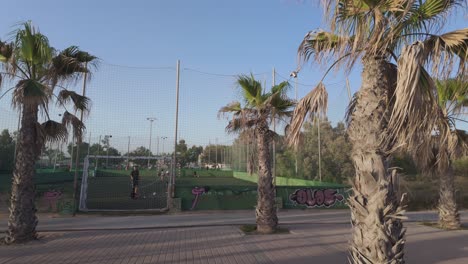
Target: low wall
x=245 y=197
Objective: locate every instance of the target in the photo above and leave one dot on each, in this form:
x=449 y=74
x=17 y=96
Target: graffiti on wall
x=316 y=197
x=197 y=192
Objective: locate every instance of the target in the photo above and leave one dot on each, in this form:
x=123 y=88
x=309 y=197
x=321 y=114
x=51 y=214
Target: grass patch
x=436 y=225
x=252 y=230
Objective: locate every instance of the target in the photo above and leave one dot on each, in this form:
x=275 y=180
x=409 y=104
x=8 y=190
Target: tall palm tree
x=260 y=109
x=452 y=100
x=37 y=69
x=395 y=106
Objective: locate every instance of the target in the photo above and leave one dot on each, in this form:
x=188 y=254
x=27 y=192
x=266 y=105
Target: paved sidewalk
x=206 y=218
x=307 y=243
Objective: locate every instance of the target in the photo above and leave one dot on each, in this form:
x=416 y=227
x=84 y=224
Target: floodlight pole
x=99 y=153
x=274 y=130
x=319 y=150
x=78 y=143
x=128 y=154
x=151 y=119
x=163 y=141
x=174 y=162
x=295 y=94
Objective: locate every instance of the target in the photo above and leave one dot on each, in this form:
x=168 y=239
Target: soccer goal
x=106 y=184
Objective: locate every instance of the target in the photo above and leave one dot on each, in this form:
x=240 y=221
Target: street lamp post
x=294 y=75
x=107 y=137
x=98 y=152
x=164 y=140
x=151 y=119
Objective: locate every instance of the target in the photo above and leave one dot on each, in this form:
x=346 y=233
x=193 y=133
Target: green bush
x=460 y=167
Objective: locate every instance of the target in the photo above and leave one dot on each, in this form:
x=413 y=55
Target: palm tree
x=452 y=100
x=38 y=69
x=392 y=109
x=259 y=110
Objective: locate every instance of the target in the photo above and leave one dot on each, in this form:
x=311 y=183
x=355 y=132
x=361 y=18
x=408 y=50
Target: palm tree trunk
x=23 y=221
x=449 y=217
x=377 y=233
x=266 y=208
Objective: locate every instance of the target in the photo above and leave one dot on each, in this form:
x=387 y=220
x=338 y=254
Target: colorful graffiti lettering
x=197 y=191
x=316 y=197
x=52 y=198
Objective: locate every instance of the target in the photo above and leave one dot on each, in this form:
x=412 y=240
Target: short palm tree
x=260 y=109
x=395 y=106
x=37 y=69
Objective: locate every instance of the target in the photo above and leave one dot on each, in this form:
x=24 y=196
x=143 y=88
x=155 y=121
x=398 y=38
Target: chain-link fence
x=135 y=111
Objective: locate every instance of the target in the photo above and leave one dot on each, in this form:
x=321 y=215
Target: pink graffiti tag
x=316 y=198
x=197 y=191
x=52 y=197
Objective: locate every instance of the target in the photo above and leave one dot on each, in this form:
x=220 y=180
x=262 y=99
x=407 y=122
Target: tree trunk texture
x=267 y=221
x=23 y=221
x=251 y=157
x=449 y=217
x=377 y=229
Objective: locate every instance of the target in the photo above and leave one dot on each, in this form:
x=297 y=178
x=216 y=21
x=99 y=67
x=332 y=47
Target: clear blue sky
x=217 y=37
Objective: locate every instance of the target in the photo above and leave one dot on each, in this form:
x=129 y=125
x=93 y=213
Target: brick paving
x=307 y=243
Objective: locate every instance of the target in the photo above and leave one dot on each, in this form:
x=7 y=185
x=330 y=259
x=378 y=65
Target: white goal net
x=106 y=184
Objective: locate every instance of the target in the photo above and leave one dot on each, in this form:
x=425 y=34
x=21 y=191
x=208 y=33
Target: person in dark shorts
x=135 y=177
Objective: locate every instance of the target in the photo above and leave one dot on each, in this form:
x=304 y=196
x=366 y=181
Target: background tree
x=181 y=152
x=140 y=152
x=7 y=151
x=452 y=100
x=193 y=153
x=259 y=110
x=37 y=69
x=391 y=109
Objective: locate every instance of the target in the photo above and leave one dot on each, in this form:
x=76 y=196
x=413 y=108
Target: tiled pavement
x=307 y=243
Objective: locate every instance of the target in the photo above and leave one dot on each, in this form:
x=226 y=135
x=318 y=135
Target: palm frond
x=441 y=51
x=415 y=113
x=242 y=122
x=234 y=107
x=319 y=45
x=315 y=104
x=6 y=51
x=80 y=102
x=281 y=88
x=54 y=131
x=453 y=95
x=350 y=108
x=30 y=93
x=31 y=46
x=425 y=17
x=71 y=121
x=70 y=64
x=251 y=89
